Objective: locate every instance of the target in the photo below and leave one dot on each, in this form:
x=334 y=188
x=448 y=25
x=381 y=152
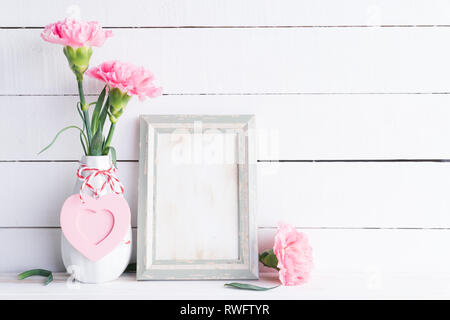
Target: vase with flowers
x=97 y=173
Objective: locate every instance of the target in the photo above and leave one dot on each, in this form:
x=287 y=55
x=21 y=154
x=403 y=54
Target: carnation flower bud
x=118 y=101
x=78 y=59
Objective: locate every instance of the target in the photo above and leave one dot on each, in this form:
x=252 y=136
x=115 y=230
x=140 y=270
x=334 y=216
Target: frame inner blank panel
x=199 y=169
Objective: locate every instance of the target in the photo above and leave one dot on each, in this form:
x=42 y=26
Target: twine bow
x=109 y=176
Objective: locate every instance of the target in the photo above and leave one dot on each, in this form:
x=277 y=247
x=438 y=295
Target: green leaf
x=113 y=154
x=246 y=286
x=83 y=145
x=96 y=144
x=269 y=259
x=97 y=109
x=57 y=135
x=103 y=114
x=37 y=272
x=131 y=268
x=79 y=112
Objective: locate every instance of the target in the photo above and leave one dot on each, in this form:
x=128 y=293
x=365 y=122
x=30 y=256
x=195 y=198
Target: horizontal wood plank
x=355 y=195
x=38 y=248
x=48 y=185
x=374 y=252
x=314 y=195
x=244 y=61
x=307 y=127
x=369 y=252
x=137 y=13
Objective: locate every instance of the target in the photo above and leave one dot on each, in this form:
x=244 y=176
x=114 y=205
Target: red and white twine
x=90 y=174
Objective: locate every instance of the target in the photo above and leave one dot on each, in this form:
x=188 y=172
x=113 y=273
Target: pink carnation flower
x=294 y=255
x=126 y=77
x=76 y=33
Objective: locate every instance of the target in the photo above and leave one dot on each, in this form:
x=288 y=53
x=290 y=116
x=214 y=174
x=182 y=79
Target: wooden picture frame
x=197 y=197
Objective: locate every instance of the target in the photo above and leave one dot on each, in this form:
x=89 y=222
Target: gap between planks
x=238 y=94
x=273 y=228
x=265 y=161
x=257 y=27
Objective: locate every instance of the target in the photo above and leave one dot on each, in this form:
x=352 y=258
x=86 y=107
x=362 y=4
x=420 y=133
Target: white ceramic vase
x=111 y=266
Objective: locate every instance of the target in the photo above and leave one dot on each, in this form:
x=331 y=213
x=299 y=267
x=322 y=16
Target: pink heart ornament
x=97 y=226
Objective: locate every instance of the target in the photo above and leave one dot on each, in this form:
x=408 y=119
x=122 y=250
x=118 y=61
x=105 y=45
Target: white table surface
x=362 y=286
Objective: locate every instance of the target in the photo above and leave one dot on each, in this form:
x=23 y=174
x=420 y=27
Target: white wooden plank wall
x=352 y=106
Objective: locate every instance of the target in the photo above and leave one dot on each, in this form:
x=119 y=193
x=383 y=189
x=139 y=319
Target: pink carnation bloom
x=294 y=255
x=76 y=33
x=126 y=77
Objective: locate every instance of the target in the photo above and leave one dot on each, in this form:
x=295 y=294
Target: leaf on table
x=37 y=272
x=246 y=286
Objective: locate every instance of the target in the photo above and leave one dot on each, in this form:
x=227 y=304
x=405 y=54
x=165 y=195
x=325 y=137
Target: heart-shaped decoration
x=95 y=227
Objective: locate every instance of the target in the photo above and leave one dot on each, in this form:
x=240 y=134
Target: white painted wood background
x=353 y=93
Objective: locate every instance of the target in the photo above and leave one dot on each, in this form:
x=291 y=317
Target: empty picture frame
x=197 y=198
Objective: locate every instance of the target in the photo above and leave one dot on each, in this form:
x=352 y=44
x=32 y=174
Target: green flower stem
x=85 y=109
x=109 y=138
x=81 y=92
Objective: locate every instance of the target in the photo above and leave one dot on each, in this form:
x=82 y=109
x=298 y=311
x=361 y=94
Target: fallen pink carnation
x=294 y=255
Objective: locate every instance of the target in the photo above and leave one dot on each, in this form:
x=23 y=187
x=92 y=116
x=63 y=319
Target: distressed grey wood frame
x=246 y=266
